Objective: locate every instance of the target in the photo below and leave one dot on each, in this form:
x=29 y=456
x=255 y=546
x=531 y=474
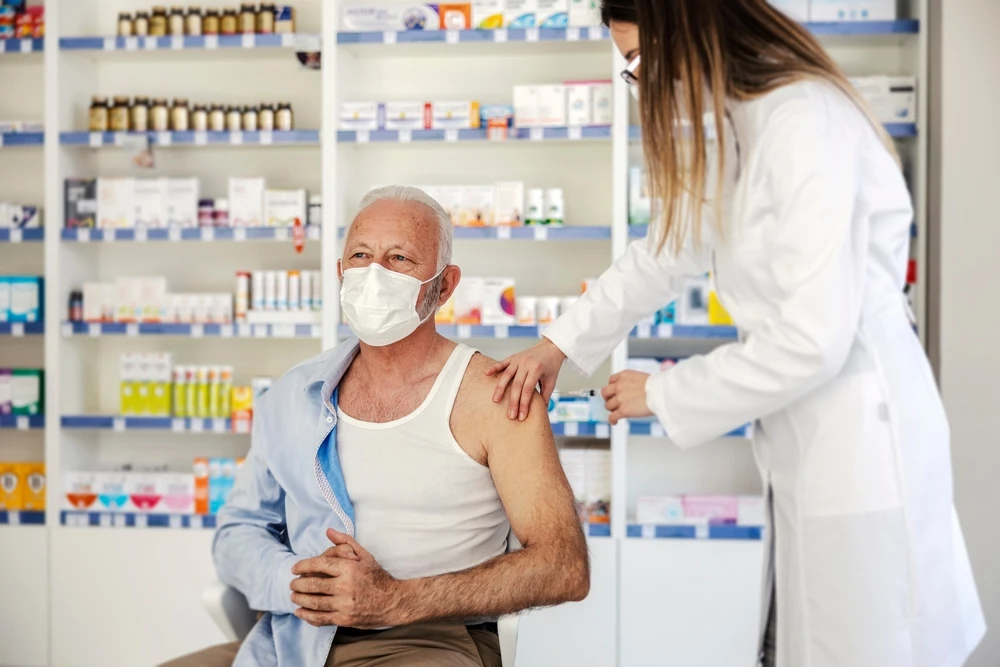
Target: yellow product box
x=446 y=313
x=11 y=497
x=32 y=486
x=717 y=315
x=128 y=372
x=160 y=394
x=242 y=406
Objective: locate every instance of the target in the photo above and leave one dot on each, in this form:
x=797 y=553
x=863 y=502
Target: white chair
x=231 y=612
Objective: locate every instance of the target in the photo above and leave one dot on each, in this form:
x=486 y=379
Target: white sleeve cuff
x=282 y=602
x=656 y=401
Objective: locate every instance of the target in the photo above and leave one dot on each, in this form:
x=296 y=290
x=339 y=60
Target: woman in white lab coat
x=803 y=219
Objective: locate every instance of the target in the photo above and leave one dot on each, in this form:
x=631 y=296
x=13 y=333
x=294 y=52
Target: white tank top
x=422 y=506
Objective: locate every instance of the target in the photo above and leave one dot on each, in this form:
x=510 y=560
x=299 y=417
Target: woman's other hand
x=625 y=396
x=523 y=371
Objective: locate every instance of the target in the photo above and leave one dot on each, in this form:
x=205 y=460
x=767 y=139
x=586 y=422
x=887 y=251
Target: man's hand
x=625 y=396
x=346 y=587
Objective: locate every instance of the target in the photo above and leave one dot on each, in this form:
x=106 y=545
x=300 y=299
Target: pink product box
x=701 y=510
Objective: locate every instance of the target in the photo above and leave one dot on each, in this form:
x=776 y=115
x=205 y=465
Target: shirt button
x=329 y=420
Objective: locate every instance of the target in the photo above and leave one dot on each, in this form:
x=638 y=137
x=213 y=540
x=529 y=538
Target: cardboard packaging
x=519 y=14
x=508 y=208
x=584 y=13
x=80 y=490
x=468 y=298
x=553 y=13
x=852 y=10
x=4 y=299
x=453 y=115
x=32 y=486
x=11 y=496
x=26 y=298
x=282 y=208
x=180 y=202
x=487 y=14
x=405 y=115
x=359 y=116
x=893 y=99
x=115 y=205
x=148 y=198
x=27 y=391
x=246 y=202
x=6 y=391
x=552 y=105
x=659 y=510
x=526 y=111
x=477 y=204
x=143 y=492
x=200 y=478
x=499 y=307
x=80 y=202
x=112 y=491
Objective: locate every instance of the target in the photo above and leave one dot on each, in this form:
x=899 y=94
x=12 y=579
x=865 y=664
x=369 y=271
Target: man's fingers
x=339 y=538
x=345 y=551
x=314 y=602
x=316 y=618
x=317 y=565
x=313 y=585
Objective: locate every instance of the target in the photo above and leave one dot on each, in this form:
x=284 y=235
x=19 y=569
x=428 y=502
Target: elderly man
x=371 y=518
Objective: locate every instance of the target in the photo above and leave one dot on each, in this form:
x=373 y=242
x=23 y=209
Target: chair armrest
x=230 y=611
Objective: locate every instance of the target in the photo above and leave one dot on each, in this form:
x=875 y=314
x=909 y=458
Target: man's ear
x=450 y=278
x=340 y=270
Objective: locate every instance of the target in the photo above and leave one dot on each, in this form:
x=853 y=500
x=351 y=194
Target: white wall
x=968 y=143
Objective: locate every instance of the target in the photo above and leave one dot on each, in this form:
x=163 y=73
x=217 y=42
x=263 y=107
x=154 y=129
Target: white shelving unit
x=654 y=589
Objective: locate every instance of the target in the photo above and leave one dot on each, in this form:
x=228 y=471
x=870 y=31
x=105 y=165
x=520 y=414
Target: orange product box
x=32 y=486
x=11 y=496
x=201 y=486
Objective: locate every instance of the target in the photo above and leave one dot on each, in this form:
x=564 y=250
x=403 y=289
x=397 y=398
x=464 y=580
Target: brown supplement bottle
x=210 y=26
x=284 y=120
x=234 y=119
x=120 y=115
x=199 y=118
x=250 y=117
x=140 y=114
x=194 y=21
x=180 y=116
x=248 y=18
x=140 y=26
x=176 y=23
x=98 y=114
x=125 y=25
x=229 y=22
x=159 y=116
x=217 y=118
x=265 y=117
x=265 y=18
x=158 y=22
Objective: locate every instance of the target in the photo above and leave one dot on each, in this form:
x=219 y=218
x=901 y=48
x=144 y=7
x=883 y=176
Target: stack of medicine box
x=572 y=104
x=22 y=391
x=145 y=299
x=588 y=470
x=22 y=486
x=389 y=15
x=22 y=298
x=700 y=510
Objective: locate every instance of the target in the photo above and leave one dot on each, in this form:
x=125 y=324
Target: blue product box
x=4 y=299
x=489 y=112
x=27 y=295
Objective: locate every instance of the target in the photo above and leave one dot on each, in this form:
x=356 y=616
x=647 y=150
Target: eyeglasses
x=628 y=74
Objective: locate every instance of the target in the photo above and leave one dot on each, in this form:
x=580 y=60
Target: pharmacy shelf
x=500 y=36
x=683 y=331
x=641 y=231
x=469 y=331
x=22 y=45
x=19 y=139
x=602 y=430
x=18 y=329
x=712 y=532
x=22 y=235
x=199 y=139
x=204 y=234
x=530 y=233
x=191 y=43
x=865 y=28
x=98 y=329
x=643 y=332
x=121 y=424
x=21 y=518
x=654 y=429
x=580 y=133
x=78 y=519
x=22 y=422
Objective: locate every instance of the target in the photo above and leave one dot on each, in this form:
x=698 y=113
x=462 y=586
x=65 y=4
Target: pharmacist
x=807 y=244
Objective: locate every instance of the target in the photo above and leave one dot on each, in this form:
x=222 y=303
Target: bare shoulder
x=477 y=391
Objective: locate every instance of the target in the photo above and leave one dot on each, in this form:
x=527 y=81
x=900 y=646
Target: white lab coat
x=851 y=438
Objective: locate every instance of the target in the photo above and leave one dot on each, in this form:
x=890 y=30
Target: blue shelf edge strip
x=107 y=423
x=128 y=519
x=513 y=134
x=896 y=130
x=277 y=138
x=22 y=45
x=186 y=234
x=583 y=34
x=18 y=422
x=186 y=42
x=27 y=328
x=599 y=530
x=21 y=518
x=898 y=27
x=15 y=139
x=193 y=330
x=602 y=430
x=27 y=235
x=712 y=532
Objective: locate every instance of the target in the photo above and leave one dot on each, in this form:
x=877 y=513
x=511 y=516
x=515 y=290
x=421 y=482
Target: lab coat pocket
x=847 y=444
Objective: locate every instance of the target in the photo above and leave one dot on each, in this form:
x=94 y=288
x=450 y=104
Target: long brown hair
x=737 y=49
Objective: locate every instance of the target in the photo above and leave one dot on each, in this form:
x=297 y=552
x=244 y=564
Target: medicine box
x=598 y=473
x=553 y=13
x=79 y=490
x=32 y=476
x=404 y=115
x=453 y=115
x=499 y=306
x=797 y=10
x=5 y=391
x=200 y=477
x=180 y=202
x=487 y=14
x=112 y=491
x=143 y=492
x=80 y=202
x=25 y=300
x=639 y=202
x=283 y=207
x=445 y=315
x=11 y=497
x=584 y=13
x=893 y=99
x=128 y=299
x=152 y=303
x=177 y=492
x=659 y=510
x=246 y=202
x=578 y=103
x=526 y=111
x=692 y=306
x=390 y=17
x=468 y=299
x=852 y=10
x=552 y=105
x=717 y=314
x=702 y=510
x=455 y=16
x=98 y=302
x=520 y=13
x=4 y=299
x=508 y=205
x=115 y=208
x=477 y=206
x=600 y=103
x=27 y=391
x=148 y=198
x=359 y=116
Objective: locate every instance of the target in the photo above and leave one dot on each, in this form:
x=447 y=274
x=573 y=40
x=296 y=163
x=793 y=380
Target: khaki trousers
x=422 y=645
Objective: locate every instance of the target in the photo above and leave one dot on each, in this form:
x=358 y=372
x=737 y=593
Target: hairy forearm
x=531 y=577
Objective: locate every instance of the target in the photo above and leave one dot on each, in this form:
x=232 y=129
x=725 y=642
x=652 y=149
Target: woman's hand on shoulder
x=522 y=372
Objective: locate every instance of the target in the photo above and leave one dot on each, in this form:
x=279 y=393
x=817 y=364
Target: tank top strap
x=454 y=373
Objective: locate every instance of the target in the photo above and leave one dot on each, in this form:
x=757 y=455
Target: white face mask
x=381 y=305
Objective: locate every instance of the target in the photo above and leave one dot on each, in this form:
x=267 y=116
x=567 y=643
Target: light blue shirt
x=290 y=490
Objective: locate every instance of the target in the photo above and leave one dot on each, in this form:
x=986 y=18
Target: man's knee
x=222 y=655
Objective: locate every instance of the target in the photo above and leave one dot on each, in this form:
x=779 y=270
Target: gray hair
x=405 y=193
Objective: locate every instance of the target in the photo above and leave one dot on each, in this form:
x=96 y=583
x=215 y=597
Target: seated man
x=371 y=518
